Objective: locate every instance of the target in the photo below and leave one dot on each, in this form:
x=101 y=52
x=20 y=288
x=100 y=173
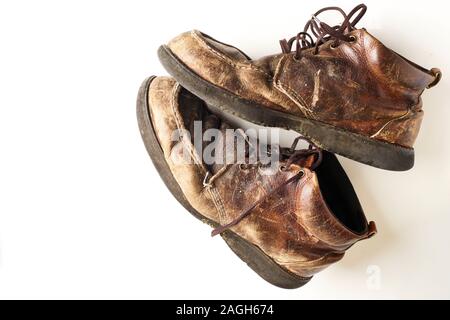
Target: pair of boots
x=288 y=213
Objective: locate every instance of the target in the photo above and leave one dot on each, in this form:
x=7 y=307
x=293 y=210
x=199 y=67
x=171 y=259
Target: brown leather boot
x=340 y=87
x=286 y=222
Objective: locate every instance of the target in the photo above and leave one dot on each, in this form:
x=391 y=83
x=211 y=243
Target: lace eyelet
x=283 y=168
x=261 y=168
x=333 y=47
x=243 y=166
x=352 y=39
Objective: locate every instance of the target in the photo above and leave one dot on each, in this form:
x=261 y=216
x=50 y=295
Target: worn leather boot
x=339 y=86
x=286 y=222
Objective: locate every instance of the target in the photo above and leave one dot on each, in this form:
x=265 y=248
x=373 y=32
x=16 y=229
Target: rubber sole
x=348 y=144
x=255 y=258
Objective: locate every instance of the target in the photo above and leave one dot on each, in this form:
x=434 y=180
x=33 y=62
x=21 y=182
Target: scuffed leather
x=293 y=226
x=362 y=86
x=233 y=72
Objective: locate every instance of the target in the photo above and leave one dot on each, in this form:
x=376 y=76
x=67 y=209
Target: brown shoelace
x=294 y=156
x=323 y=32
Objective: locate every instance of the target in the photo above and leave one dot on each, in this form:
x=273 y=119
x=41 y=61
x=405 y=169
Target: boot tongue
x=217 y=149
x=220 y=149
x=306 y=162
x=225 y=149
x=210 y=121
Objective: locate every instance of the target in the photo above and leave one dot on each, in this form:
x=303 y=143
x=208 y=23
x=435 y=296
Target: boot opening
x=339 y=194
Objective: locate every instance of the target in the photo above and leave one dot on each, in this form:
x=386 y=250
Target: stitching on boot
x=287 y=91
x=218 y=203
x=217 y=200
x=213 y=192
x=178 y=122
x=298 y=100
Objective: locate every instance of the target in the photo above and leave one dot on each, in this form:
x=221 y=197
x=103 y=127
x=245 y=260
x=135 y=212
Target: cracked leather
x=360 y=86
x=294 y=226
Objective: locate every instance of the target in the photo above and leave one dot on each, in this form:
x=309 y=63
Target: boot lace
x=322 y=32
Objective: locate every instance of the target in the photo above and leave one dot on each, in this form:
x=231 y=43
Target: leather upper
x=361 y=86
x=295 y=226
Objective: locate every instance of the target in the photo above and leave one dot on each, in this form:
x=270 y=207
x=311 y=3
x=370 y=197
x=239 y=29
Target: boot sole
x=255 y=258
x=348 y=144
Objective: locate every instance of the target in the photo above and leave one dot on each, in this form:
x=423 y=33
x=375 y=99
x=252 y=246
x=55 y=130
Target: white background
x=83 y=213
